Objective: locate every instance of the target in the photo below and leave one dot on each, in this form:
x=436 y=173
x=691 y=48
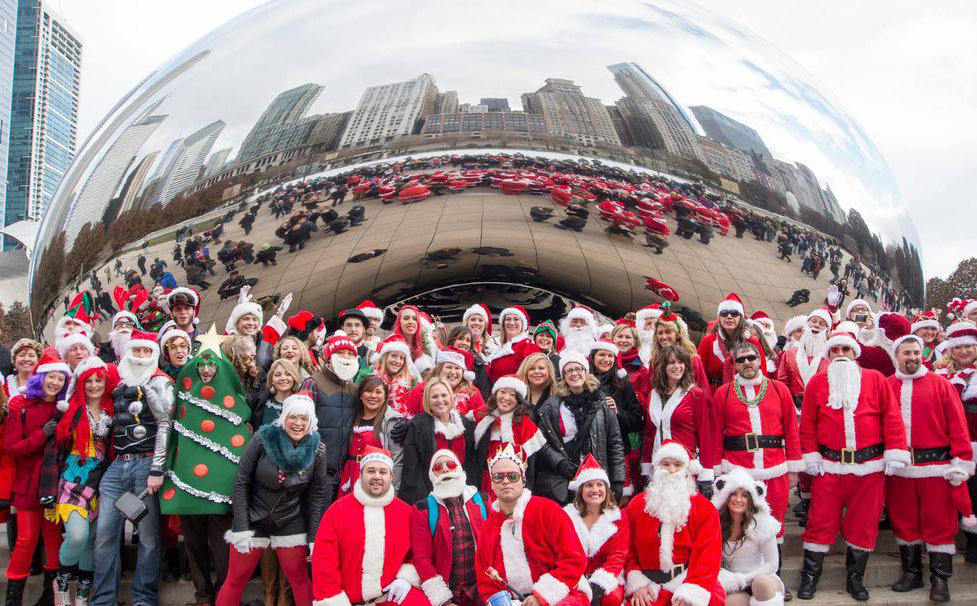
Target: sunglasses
x=729 y=314
x=508 y=476
x=841 y=348
x=440 y=467
x=749 y=358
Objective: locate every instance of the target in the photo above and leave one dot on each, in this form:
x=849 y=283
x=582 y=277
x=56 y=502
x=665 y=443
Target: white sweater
x=755 y=555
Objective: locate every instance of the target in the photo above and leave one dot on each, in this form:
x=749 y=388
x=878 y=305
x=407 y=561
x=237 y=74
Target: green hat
x=546 y=326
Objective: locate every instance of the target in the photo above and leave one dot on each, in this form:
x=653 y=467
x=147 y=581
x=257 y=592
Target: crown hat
x=508 y=453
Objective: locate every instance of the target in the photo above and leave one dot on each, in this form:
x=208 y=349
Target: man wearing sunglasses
x=852 y=436
x=123 y=323
x=725 y=334
x=529 y=541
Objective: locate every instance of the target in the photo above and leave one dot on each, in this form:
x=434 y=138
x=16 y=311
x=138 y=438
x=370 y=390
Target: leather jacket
x=149 y=429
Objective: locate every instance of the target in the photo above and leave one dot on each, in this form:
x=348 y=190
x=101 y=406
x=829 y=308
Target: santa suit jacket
x=536 y=550
x=775 y=415
x=506 y=359
x=657 y=546
x=789 y=371
x=605 y=544
x=641 y=380
x=934 y=418
x=362 y=545
x=683 y=417
x=718 y=365
x=876 y=419
x=965 y=382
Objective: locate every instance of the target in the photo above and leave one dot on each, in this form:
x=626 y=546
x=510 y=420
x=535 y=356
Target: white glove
x=956 y=477
x=833 y=295
x=814 y=468
x=284 y=305
x=891 y=467
x=243 y=296
x=242 y=542
x=311 y=545
x=397 y=591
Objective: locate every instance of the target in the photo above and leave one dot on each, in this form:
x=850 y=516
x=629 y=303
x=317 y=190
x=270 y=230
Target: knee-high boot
x=810 y=573
x=855 y=562
x=941 y=569
x=911 y=558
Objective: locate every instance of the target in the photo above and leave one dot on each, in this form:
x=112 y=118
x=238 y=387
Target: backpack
x=433 y=511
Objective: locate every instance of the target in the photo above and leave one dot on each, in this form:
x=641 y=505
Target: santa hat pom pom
x=62 y=406
x=969 y=522
x=621 y=373
x=695 y=468
x=469 y=376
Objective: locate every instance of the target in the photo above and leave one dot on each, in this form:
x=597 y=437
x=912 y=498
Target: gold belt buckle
x=677 y=570
x=756 y=442
x=848 y=456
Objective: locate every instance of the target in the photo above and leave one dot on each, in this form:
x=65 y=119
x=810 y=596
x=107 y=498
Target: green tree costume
x=209 y=434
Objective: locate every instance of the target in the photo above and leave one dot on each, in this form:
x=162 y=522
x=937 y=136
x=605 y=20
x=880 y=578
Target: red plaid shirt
x=462 y=548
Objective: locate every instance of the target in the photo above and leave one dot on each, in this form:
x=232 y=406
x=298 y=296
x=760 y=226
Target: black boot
x=15 y=593
x=941 y=569
x=810 y=574
x=788 y=596
x=911 y=557
x=855 y=562
x=801 y=510
x=47 y=595
x=971 y=554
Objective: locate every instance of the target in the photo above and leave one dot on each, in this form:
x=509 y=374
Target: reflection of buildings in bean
x=286 y=109
x=388 y=111
x=569 y=113
x=721 y=128
x=8 y=13
x=215 y=163
x=181 y=164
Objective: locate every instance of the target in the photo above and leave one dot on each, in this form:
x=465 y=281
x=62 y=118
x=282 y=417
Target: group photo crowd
x=577 y=461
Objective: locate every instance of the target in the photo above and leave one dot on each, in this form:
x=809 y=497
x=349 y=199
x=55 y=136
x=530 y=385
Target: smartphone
x=861 y=317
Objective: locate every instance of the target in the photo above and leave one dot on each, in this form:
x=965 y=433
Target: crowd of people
x=571 y=461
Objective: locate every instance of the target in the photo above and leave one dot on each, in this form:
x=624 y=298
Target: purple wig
x=35 y=386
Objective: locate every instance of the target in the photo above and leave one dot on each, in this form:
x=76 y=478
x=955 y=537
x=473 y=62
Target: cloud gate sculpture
x=612 y=154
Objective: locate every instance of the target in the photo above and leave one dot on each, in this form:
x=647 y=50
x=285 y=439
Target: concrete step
x=883 y=570
x=886 y=542
x=887 y=597
x=171 y=593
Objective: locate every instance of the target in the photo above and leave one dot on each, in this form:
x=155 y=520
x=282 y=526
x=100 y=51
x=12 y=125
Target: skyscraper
x=657 y=124
x=568 y=113
x=216 y=161
x=44 y=109
x=389 y=111
x=729 y=132
x=288 y=107
x=495 y=104
x=8 y=34
x=183 y=161
x=639 y=84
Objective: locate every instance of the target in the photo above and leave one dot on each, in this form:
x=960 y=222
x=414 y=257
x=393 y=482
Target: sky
x=909 y=80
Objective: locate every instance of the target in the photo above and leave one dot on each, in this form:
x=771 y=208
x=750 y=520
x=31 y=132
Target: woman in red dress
x=506 y=421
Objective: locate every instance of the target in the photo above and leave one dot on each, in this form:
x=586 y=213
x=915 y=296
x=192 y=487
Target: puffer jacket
x=554 y=469
x=335 y=411
x=265 y=503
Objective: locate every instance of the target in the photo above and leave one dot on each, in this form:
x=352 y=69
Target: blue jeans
x=118 y=478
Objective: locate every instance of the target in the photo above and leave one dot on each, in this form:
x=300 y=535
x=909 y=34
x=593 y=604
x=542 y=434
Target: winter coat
x=24 y=440
x=630 y=413
x=335 y=410
x=390 y=420
x=419 y=447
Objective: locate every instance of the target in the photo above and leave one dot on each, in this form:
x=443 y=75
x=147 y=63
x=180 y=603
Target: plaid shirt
x=462 y=548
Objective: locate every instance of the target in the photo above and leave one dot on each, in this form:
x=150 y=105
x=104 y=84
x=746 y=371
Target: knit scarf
x=583 y=408
x=630 y=358
x=287 y=457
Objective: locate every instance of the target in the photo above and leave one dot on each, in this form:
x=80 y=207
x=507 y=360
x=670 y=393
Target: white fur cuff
x=776 y=600
x=967 y=467
x=795 y=466
x=340 y=599
x=693 y=594
x=551 y=589
x=812 y=457
x=605 y=580
x=897 y=455
x=291 y=540
x=436 y=590
x=731 y=581
x=408 y=573
x=636 y=580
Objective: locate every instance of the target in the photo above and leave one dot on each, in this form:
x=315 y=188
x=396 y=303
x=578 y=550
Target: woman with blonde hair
x=439 y=426
x=283 y=379
x=292 y=348
x=456 y=368
x=540 y=377
x=625 y=336
x=396 y=368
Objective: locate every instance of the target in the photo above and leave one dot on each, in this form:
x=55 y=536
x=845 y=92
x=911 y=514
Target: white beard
x=644 y=352
x=449 y=485
x=119 y=341
x=844 y=384
x=136 y=371
x=579 y=340
x=814 y=344
x=345 y=368
x=871 y=337
x=670 y=497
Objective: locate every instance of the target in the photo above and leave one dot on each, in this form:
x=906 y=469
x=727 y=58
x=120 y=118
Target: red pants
x=717 y=598
x=847 y=502
x=241 y=566
x=922 y=509
x=778 y=494
x=804 y=485
x=30 y=525
x=614 y=598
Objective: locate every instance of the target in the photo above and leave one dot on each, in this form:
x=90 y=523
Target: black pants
x=203 y=536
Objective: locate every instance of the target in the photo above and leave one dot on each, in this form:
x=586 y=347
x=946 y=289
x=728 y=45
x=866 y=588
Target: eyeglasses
x=729 y=313
x=576 y=370
x=506 y=476
x=123 y=324
x=440 y=467
x=177 y=346
x=841 y=348
x=749 y=358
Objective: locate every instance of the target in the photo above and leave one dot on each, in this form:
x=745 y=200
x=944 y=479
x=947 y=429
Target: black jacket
x=553 y=468
x=419 y=447
x=335 y=410
x=265 y=503
x=630 y=415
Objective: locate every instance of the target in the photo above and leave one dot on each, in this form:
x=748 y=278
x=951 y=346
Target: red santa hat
x=970 y=307
x=125 y=314
x=854 y=303
x=648 y=311
x=75 y=338
x=841 y=338
x=370 y=310
x=903 y=339
x=795 y=323
x=512 y=382
x=960 y=333
x=480 y=309
x=608 y=345
x=670 y=449
x=463 y=359
x=570 y=356
x=738 y=479
x=50 y=361
x=339 y=342
x=581 y=312
x=732 y=302
x=373 y=454
x=927 y=319
x=515 y=310
x=300 y=321
x=141 y=338
x=396 y=343
x=822 y=312
x=589 y=471
x=764 y=320
x=892 y=325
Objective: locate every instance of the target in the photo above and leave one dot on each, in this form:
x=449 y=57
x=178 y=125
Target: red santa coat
x=506 y=359
x=718 y=362
x=535 y=550
x=876 y=419
x=965 y=382
x=362 y=545
x=641 y=380
x=683 y=417
x=657 y=546
x=797 y=368
x=774 y=415
x=605 y=544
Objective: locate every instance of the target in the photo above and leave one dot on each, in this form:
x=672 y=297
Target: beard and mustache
x=814 y=344
x=345 y=368
x=670 y=497
x=579 y=339
x=448 y=485
x=844 y=383
x=136 y=371
x=119 y=340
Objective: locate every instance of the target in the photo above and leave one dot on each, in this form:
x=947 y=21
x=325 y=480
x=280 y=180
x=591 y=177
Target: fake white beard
x=871 y=337
x=644 y=352
x=136 y=371
x=119 y=340
x=448 y=485
x=579 y=340
x=345 y=368
x=670 y=497
x=814 y=344
x=844 y=383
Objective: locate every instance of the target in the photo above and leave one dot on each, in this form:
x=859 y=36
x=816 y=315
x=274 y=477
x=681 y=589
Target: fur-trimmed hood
x=604 y=528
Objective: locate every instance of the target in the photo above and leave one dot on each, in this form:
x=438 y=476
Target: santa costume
x=581 y=338
x=605 y=542
x=758 y=432
x=496 y=429
x=505 y=360
x=536 y=550
x=684 y=417
x=714 y=350
x=676 y=541
x=807 y=358
x=363 y=545
x=923 y=498
x=851 y=431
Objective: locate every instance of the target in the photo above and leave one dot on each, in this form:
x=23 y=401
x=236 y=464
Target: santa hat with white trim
x=50 y=361
x=648 y=311
x=370 y=310
x=141 y=338
x=842 y=338
x=245 y=306
x=970 y=307
x=75 y=338
x=589 y=471
x=821 y=312
x=124 y=313
x=853 y=303
x=516 y=310
x=797 y=322
x=173 y=333
x=608 y=345
x=670 y=449
x=903 y=339
x=373 y=454
x=579 y=312
x=570 y=356
x=927 y=319
x=732 y=302
x=397 y=344
x=479 y=309
x=961 y=333
x=512 y=382
x=463 y=359
x=737 y=479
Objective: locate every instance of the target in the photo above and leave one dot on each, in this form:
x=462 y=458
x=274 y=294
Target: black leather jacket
x=274 y=507
x=605 y=444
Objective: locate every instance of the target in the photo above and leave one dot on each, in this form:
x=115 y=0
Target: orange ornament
x=206 y=392
x=228 y=401
x=237 y=441
x=200 y=470
x=207 y=426
x=168 y=494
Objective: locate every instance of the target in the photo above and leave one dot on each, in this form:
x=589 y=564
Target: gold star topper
x=212 y=341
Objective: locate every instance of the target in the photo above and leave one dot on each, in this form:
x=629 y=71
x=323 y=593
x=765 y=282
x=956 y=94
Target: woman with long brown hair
x=373 y=422
x=729 y=330
x=506 y=421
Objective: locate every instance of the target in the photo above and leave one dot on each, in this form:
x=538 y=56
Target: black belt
x=663 y=576
x=752 y=442
x=928 y=455
x=970 y=409
x=849 y=456
x=133 y=456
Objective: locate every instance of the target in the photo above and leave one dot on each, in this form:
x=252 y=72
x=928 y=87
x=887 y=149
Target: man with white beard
x=444 y=532
x=141 y=423
x=70 y=325
x=579 y=329
x=644 y=323
x=808 y=357
x=794 y=330
x=851 y=432
x=675 y=550
x=336 y=401
x=123 y=323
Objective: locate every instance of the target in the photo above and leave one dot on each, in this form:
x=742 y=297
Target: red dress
x=606 y=546
x=502 y=430
x=362 y=437
x=685 y=418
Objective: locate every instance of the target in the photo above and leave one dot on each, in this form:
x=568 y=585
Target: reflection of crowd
x=553 y=460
